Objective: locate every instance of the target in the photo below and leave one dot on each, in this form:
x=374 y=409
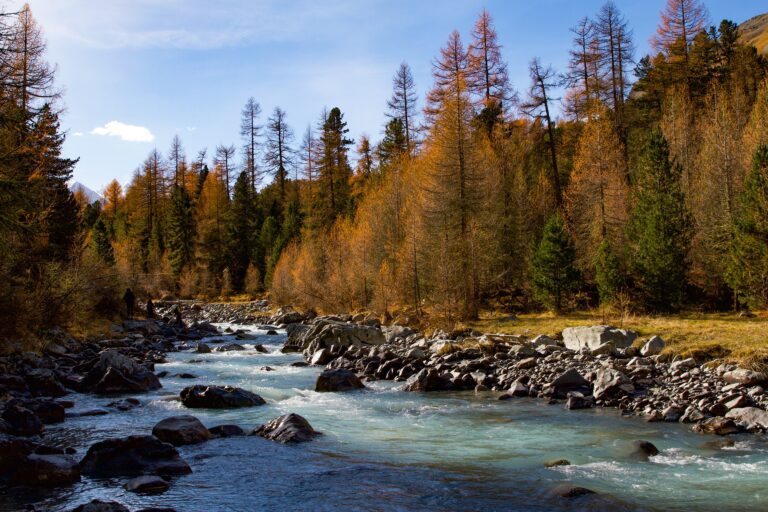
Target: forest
x=644 y=188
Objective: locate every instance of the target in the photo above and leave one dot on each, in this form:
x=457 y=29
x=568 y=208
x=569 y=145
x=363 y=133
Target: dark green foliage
x=393 y=143
x=748 y=266
x=333 y=198
x=240 y=231
x=608 y=273
x=101 y=244
x=267 y=238
x=553 y=270
x=180 y=230
x=660 y=228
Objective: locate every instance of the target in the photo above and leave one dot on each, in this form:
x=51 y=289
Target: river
x=388 y=450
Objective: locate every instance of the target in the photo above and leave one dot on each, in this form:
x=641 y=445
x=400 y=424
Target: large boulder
x=21 y=421
x=13 y=450
x=653 y=346
x=181 y=430
x=427 y=379
x=46 y=471
x=611 y=384
x=340 y=379
x=288 y=428
x=101 y=506
x=745 y=377
x=43 y=382
x=219 y=397
x=327 y=333
x=577 y=338
x=752 y=417
x=114 y=372
x=641 y=450
x=133 y=455
x=570 y=380
x=229 y=347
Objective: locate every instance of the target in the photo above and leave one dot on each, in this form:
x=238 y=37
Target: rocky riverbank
x=581 y=368
x=584 y=367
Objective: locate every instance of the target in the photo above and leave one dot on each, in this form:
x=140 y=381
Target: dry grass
x=705 y=336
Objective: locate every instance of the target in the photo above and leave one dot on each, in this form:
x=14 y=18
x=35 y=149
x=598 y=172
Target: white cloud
x=126 y=132
x=77 y=134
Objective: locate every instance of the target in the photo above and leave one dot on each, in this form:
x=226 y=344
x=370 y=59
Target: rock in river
x=219 y=397
x=181 y=430
x=46 y=471
x=338 y=380
x=133 y=455
x=641 y=450
x=101 y=506
x=147 y=484
x=114 y=372
x=289 y=428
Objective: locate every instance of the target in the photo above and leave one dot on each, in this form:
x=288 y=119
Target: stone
x=101 y=506
x=556 y=463
x=219 y=397
x=394 y=333
x=340 y=379
x=611 y=384
x=21 y=421
x=652 y=347
x=570 y=380
x=577 y=400
x=571 y=491
x=543 y=340
x=229 y=347
x=524 y=350
x=750 y=416
x=13 y=450
x=203 y=348
x=718 y=425
x=46 y=471
x=518 y=389
x=133 y=455
x=641 y=450
x=43 y=382
x=327 y=333
x=577 y=338
x=147 y=484
x=427 y=379
x=672 y=413
x=745 y=377
x=289 y=428
x=181 y=430
x=321 y=357
x=526 y=364
x=226 y=431
x=125 y=404
x=114 y=372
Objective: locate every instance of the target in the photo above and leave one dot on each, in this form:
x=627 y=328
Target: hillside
x=755 y=32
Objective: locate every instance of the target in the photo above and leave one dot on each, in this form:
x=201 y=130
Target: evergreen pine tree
x=747 y=271
x=101 y=244
x=608 y=275
x=660 y=227
x=181 y=230
x=553 y=271
x=240 y=232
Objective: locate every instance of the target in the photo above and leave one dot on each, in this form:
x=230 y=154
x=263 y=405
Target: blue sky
x=136 y=72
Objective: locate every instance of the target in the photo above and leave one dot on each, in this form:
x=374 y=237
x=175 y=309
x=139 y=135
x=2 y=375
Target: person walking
x=130 y=300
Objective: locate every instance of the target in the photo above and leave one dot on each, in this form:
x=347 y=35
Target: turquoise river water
x=388 y=450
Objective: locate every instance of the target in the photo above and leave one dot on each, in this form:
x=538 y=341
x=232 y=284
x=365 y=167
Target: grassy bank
x=720 y=336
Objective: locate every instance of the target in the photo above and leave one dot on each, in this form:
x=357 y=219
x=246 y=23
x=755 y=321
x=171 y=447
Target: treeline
x=46 y=275
x=649 y=191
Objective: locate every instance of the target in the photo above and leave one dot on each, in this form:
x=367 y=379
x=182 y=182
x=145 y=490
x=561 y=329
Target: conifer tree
x=180 y=230
x=748 y=263
x=241 y=231
x=101 y=244
x=553 y=272
x=660 y=226
x=402 y=105
x=250 y=131
x=279 y=153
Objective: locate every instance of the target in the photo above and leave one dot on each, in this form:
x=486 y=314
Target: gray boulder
x=101 y=506
x=289 y=428
x=133 y=455
x=181 y=430
x=340 y=379
x=653 y=346
x=147 y=484
x=577 y=338
x=745 y=377
x=327 y=333
x=218 y=397
x=46 y=471
x=570 y=380
x=611 y=384
x=752 y=417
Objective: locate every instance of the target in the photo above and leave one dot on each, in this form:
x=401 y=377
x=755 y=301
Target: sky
x=134 y=73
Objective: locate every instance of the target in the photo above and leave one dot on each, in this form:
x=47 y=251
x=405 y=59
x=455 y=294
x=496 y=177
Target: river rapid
x=389 y=450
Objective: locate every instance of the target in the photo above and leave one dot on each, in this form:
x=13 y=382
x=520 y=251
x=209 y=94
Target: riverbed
x=388 y=450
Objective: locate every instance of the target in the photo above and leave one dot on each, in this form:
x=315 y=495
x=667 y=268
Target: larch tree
x=614 y=40
x=598 y=195
x=279 y=154
x=308 y=158
x=486 y=71
x=177 y=161
x=402 y=104
x=582 y=68
x=32 y=78
x=250 y=131
x=365 y=162
x=537 y=106
x=225 y=159
x=681 y=21
x=451 y=179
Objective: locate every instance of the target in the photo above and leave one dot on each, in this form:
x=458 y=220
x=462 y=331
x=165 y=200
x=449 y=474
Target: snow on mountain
x=90 y=194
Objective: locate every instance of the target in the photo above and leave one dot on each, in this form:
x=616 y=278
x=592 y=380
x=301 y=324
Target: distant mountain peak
x=754 y=31
x=92 y=195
